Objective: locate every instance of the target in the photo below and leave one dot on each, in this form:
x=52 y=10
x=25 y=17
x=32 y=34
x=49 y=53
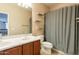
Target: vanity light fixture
x=25 y=5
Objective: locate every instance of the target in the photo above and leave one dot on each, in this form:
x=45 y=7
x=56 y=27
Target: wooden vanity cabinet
x=37 y=47
x=32 y=48
x=13 y=51
x=28 y=49
x=1 y=52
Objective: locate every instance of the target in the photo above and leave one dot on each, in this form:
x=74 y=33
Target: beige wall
x=38 y=27
x=18 y=17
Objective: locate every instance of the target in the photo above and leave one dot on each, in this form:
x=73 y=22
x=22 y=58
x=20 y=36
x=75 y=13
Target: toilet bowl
x=45 y=46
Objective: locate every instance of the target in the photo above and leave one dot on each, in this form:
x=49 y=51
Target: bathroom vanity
x=21 y=46
x=32 y=48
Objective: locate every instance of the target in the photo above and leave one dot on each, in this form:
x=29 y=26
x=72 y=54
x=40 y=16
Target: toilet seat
x=47 y=45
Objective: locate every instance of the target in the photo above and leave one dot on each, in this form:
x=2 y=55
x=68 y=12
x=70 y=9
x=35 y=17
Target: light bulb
x=26 y=5
x=29 y=4
x=19 y=4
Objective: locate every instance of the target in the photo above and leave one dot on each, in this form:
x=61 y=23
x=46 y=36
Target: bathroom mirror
x=3 y=23
x=15 y=20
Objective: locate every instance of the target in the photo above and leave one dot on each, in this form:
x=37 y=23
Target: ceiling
x=51 y=4
x=54 y=6
x=47 y=4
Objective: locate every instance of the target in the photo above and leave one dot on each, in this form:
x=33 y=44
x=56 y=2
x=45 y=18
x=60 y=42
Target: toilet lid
x=47 y=44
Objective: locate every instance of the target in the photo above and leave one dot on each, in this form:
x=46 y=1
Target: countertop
x=16 y=40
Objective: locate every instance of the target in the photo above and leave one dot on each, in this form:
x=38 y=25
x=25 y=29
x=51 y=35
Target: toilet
x=45 y=46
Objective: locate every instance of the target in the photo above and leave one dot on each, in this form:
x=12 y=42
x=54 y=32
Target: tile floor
x=53 y=52
x=57 y=52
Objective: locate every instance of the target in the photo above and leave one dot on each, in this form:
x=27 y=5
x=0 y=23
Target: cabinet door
x=28 y=49
x=1 y=52
x=37 y=47
x=14 y=51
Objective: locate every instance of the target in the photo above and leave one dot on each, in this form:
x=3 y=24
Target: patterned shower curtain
x=60 y=27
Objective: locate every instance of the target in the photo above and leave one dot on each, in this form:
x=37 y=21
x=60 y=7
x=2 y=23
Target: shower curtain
x=60 y=28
